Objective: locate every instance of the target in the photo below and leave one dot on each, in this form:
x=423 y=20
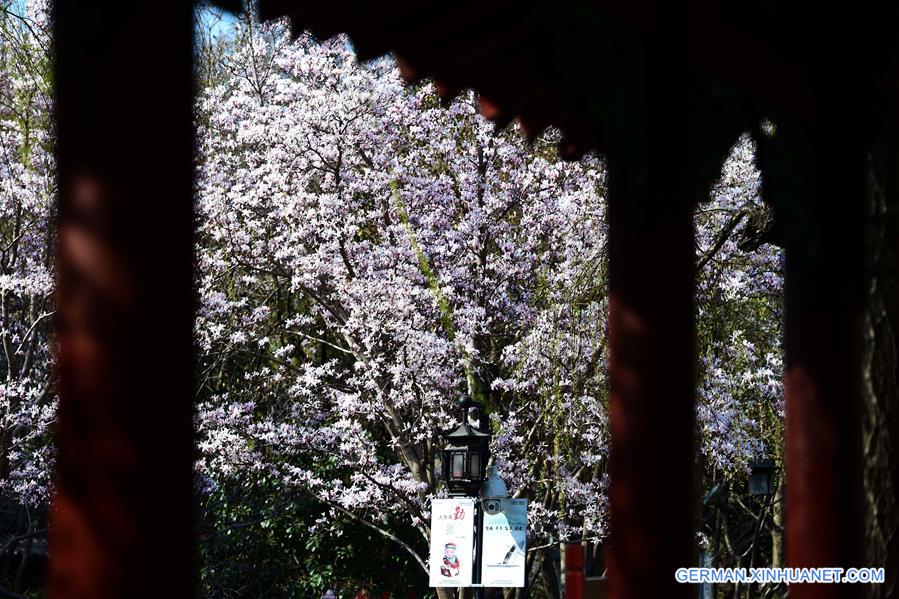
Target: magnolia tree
x=367 y=255
x=27 y=190
x=740 y=311
x=27 y=187
x=740 y=395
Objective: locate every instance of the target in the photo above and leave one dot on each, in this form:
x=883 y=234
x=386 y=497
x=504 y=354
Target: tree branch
x=389 y=535
x=721 y=240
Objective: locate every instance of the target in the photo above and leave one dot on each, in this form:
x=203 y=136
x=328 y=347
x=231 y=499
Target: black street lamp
x=465 y=456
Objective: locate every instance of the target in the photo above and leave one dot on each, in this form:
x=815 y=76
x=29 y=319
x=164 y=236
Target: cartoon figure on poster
x=452 y=539
x=450 y=566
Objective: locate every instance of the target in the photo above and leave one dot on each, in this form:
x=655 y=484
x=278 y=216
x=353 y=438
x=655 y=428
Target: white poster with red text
x=452 y=538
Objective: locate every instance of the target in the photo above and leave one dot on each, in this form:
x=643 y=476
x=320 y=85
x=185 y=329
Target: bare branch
x=380 y=530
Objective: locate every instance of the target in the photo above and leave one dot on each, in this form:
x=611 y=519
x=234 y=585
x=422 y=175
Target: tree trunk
x=562 y=548
x=532 y=572
x=443 y=593
x=777 y=531
x=552 y=575
x=10 y=555
x=18 y=583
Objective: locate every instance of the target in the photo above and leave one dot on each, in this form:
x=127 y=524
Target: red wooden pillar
x=122 y=523
x=653 y=183
x=574 y=571
x=651 y=407
x=821 y=196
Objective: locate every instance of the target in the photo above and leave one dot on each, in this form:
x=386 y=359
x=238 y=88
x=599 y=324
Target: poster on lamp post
x=452 y=537
x=505 y=534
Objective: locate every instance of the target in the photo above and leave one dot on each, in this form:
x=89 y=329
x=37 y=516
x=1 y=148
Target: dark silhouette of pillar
x=816 y=177
x=122 y=522
x=652 y=355
x=651 y=406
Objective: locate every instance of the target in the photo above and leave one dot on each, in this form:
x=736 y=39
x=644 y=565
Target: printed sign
x=452 y=536
x=504 y=545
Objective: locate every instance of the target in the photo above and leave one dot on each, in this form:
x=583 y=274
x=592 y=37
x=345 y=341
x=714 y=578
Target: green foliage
x=256 y=540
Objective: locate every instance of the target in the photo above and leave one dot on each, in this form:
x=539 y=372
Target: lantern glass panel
x=474 y=470
x=761 y=479
x=458 y=471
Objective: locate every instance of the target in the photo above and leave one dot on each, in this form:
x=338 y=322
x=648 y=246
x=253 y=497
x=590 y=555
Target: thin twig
x=32 y=327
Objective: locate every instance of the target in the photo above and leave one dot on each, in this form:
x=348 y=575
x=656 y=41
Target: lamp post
x=464 y=469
